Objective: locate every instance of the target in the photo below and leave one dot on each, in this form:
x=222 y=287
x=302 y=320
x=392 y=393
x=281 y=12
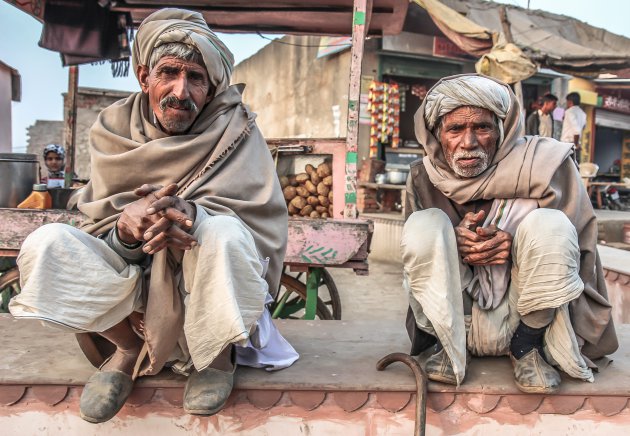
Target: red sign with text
x=444 y=47
x=616 y=104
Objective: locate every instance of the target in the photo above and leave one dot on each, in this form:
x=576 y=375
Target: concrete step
x=333 y=389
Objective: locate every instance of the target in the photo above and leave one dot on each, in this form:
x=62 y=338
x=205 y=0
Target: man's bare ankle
x=123 y=360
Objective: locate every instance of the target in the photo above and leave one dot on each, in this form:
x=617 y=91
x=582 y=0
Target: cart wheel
x=9 y=287
x=292 y=296
x=333 y=301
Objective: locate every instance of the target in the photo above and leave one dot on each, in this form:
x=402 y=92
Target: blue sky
x=44 y=79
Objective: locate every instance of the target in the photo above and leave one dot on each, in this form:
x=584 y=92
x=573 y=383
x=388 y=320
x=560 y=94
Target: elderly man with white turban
x=185 y=234
x=499 y=247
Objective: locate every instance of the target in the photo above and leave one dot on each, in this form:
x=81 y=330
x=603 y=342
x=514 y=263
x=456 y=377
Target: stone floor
x=612 y=215
x=377 y=296
x=335 y=356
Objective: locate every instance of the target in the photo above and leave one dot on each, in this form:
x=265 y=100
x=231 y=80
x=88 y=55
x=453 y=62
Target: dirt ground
x=377 y=296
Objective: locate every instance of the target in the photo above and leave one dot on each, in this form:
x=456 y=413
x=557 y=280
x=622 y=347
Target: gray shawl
x=525 y=167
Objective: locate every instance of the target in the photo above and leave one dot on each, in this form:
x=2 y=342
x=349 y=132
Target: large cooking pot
x=18 y=173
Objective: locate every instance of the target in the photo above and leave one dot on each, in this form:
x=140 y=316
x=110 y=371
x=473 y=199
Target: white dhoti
x=544 y=275
x=77 y=282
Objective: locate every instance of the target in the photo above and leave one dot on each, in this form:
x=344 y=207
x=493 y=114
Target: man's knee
x=422 y=231
x=224 y=230
x=49 y=235
x=546 y=233
x=542 y=223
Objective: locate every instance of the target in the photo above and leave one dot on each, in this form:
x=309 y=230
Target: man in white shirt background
x=540 y=121
x=574 y=122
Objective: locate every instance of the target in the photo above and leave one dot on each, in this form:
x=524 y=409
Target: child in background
x=54 y=158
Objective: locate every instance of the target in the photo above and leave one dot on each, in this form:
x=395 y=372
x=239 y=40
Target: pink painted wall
x=619 y=295
x=472 y=414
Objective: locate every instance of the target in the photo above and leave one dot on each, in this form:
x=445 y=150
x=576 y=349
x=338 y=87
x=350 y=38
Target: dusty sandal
x=104 y=395
x=207 y=391
x=535 y=376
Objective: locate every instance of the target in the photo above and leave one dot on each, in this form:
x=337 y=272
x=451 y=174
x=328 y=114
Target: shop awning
x=468 y=35
x=553 y=41
x=613 y=120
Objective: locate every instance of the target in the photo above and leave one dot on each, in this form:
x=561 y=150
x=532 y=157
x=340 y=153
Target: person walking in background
x=573 y=123
x=540 y=121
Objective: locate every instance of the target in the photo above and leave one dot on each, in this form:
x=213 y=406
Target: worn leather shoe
x=207 y=391
x=439 y=368
x=533 y=375
x=104 y=395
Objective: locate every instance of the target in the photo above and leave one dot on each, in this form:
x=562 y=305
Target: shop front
x=612 y=138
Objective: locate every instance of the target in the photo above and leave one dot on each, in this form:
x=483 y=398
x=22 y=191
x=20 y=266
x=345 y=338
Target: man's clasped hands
x=482 y=246
x=159 y=218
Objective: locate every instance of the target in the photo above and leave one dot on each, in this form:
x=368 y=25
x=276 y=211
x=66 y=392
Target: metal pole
x=359 y=17
x=71 y=124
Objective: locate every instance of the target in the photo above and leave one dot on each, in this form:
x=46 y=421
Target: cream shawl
x=222 y=164
x=532 y=168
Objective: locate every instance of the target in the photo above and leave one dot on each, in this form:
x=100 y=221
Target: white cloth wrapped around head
x=459 y=91
x=187 y=27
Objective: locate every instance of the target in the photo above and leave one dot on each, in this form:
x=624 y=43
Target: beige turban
x=466 y=90
x=187 y=27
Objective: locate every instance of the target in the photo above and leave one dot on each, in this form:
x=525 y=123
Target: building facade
x=10 y=91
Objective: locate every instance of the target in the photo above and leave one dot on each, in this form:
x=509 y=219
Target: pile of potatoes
x=309 y=194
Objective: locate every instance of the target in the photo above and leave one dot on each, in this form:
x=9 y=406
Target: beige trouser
x=77 y=282
x=544 y=279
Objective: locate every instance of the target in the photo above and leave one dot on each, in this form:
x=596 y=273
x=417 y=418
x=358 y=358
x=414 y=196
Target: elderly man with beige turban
x=499 y=247
x=185 y=235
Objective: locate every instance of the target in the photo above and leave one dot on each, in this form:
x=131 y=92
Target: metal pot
x=381 y=178
x=18 y=173
x=397 y=177
x=60 y=197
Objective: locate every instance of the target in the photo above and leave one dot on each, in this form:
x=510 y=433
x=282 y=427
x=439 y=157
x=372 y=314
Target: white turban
x=188 y=27
x=459 y=91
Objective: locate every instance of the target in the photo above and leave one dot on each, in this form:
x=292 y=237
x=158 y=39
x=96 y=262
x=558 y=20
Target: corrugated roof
x=555 y=41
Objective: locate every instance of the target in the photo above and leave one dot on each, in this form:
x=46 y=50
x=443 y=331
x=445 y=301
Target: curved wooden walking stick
x=421 y=386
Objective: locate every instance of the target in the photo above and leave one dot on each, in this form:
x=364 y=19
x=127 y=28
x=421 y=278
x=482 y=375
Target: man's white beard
x=469 y=171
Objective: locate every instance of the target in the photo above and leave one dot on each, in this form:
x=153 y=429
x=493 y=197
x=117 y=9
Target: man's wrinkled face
x=178 y=90
x=468 y=136
x=53 y=161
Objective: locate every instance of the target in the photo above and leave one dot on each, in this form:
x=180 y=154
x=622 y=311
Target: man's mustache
x=175 y=102
x=469 y=155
